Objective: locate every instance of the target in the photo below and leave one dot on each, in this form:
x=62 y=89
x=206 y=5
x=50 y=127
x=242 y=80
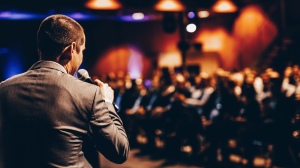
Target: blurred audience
x=212 y=118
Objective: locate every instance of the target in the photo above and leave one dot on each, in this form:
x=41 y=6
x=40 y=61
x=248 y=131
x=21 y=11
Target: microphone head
x=82 y=74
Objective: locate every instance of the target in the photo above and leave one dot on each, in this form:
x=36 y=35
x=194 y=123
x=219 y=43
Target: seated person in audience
x=202 y=93
x=165 y=97
x=288 y=84
x=121 y=94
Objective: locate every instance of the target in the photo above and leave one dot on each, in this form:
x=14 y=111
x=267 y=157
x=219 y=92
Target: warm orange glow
x=203 y=14
x=253 y=32
x=259 y=162
x=169 y=5
x=118 y=59
x=103 y=4
x=224 y=6
x=220 y=41
x=170 y=59
x=235 y=158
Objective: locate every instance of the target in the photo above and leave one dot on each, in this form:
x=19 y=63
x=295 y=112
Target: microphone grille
x=82 y=74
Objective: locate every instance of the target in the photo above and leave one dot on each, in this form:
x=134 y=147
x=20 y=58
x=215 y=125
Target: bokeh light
x=135 y=63
x=169 y=5
x=138 y=16
x=191 y=28
x=203 y=14
x=103 y=4
x=224 y=6
x=191 y=15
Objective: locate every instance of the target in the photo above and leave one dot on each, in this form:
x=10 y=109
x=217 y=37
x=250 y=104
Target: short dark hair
x=55 y=33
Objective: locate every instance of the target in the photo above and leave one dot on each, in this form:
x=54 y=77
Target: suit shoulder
x=12 y=79
x=77 y=85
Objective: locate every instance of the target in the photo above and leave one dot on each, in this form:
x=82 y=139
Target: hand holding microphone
x=107 y=91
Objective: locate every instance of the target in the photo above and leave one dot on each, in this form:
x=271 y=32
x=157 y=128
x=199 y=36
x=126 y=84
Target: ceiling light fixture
x=224 y=6
x=103 y=4
x=169 y=5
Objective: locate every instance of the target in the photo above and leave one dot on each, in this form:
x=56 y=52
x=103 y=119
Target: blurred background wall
x=229 y=40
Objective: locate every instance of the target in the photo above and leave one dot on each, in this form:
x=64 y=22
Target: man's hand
x=107 y=92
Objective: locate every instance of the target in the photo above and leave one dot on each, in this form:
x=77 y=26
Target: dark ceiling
x=43 y=5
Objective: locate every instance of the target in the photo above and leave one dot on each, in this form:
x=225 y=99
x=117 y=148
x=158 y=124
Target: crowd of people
x=210 y=117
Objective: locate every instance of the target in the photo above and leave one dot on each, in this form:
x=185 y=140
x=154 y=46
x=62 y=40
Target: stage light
x=135 y=63
x=191 y=15
x=191 y=28
x=81 y=16
x=103 y=4
x=7 y=15
x=138 y=16
x=3 y=51
x=12 y=65
x=169 y=5
x=224 y=6
x=203 y=14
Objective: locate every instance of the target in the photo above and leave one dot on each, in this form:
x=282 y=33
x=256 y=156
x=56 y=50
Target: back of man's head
x=55 y=33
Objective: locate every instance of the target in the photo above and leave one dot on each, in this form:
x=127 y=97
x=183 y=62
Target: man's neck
x=64 y=67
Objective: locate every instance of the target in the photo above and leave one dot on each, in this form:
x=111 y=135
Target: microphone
x=83 y=75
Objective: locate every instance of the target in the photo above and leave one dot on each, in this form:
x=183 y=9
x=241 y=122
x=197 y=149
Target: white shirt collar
x=59 y=65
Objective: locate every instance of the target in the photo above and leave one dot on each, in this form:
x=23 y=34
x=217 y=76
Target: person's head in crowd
x=237 y=78
x=139 y=84
x=296 y=72
x=288 y=72
x=186 y=74
x=165 y=81
x=265 y=78
x=250 y=78
x=275 y=85
x=266 y=107
x=247 y=71
x=213 y=81
x=180 y=81
x=269 y=70
x=155 y=81
x=295 y=68
x=121 y=83
x=61 y=39
x=220 y=72
x=120 y=75
x=112 y=75
x=112 y=80
x=192 y=81
x=249 y=92
x=128 y=82
x=197 y=80
x=205 y=80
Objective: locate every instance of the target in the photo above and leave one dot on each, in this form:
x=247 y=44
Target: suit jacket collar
x=48 y=64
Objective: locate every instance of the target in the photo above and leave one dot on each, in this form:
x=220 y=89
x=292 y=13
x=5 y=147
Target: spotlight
x=191 y=15
x=138 y=16
x=203 y=14
x=103 y=4
x=191 y=28
x=169 y=5
x=224 y=6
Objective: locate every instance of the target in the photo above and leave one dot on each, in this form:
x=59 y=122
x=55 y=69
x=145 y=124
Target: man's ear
x=67 y=54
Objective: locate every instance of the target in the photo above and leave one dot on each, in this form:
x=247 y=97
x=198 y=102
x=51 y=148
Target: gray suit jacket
x=47 y=116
